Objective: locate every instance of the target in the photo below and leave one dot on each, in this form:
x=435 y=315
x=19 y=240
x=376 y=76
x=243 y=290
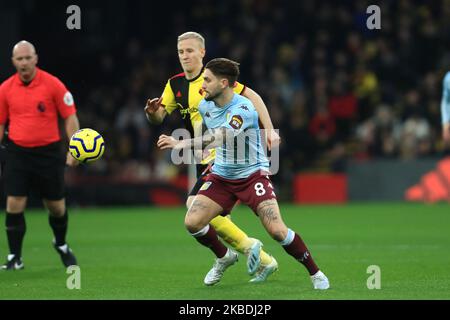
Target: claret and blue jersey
x=242 y=152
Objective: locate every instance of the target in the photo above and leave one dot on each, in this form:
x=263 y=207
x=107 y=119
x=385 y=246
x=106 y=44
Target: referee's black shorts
x=38 y=168
x=202 y=171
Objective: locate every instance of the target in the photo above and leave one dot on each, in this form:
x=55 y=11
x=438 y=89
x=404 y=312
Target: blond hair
x=192 y=35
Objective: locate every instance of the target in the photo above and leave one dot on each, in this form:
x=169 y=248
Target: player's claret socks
x=208 y=237
x=295 y=246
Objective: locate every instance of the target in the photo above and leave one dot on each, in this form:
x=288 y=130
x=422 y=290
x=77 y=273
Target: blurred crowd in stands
x=334 y=88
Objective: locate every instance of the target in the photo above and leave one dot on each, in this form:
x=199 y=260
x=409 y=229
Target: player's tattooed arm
x=213 y=139
x=209 y=140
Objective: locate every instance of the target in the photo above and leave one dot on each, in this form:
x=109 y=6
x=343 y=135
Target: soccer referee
x=31 y=102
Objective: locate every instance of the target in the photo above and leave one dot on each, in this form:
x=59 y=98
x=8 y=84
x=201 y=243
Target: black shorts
x=38 y=168
x=202 y=172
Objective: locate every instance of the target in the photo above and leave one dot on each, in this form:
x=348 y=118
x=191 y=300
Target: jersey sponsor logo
x=41 y=107
x=236 y=122
x=205 y=186
x=68 y=99
x=185 y=111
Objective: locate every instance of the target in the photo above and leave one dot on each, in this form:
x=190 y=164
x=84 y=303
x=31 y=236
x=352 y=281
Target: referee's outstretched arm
x=71 y=125
x=2 y=132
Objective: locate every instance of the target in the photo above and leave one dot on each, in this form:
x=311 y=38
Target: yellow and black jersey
x=185 y=95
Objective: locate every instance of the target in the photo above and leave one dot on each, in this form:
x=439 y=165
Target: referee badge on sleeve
x=68 y=99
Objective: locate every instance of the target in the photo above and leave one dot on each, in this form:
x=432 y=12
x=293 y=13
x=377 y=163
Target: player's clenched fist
x=273 y=139
x=168 y=142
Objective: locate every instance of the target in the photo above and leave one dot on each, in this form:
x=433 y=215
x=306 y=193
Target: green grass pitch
x=145 y=253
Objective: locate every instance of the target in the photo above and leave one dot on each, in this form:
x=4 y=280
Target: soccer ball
x=86 y=145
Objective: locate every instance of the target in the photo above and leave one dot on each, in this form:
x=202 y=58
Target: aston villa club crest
x=236 y=122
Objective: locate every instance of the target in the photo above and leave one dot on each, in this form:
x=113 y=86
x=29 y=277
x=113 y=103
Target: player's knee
x=190 y=225
x=278 y=234
x=59 y=212
x=193 y=223
x=56 y=208
x=16 y=204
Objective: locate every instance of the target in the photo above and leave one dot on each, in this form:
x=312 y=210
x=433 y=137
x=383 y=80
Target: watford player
x=183 y=92
x=31 y=102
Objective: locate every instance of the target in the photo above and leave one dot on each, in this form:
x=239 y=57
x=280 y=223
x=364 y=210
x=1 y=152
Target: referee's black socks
x=59 y=227
x=15 y=230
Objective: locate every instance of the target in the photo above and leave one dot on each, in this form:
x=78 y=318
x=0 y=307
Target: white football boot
x=320 y=281
x=216 y=273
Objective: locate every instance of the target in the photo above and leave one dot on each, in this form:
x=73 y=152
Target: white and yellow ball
x=86 y=145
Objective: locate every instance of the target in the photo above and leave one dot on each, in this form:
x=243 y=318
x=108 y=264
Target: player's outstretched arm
x=155 y=111
x=273 y=139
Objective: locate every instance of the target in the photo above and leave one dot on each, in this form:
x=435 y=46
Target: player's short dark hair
x=224 y=68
